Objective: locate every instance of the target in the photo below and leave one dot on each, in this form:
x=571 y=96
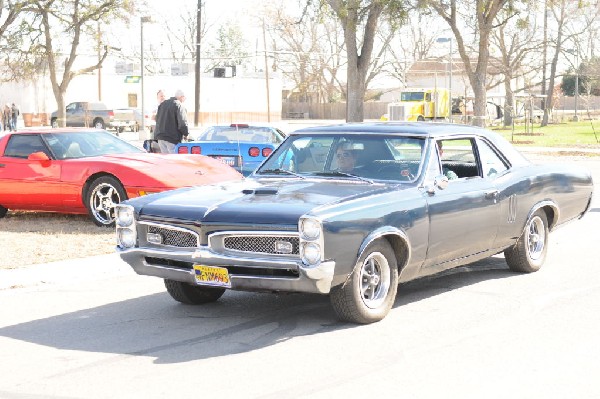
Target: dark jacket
x=171 y=121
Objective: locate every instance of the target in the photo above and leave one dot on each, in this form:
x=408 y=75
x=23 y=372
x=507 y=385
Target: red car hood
x=172 y=170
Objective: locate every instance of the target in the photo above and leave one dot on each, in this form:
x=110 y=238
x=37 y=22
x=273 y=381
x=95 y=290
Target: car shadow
x=158 y=327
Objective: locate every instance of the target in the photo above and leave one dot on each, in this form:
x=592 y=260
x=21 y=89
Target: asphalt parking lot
x=92 y=328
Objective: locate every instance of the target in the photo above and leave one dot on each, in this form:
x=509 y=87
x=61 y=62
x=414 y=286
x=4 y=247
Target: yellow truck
x=420 y=104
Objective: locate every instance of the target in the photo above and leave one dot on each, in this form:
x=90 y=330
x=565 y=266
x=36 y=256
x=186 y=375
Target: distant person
x=7 y=117
x=171 y=123
x=15 y=115
x=160 y=96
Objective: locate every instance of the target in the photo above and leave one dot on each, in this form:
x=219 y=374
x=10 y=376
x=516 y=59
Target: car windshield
x=363 y=157
x=69 y=145
x=246 y=134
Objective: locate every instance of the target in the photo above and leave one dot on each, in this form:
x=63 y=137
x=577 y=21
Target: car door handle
x=492 y=194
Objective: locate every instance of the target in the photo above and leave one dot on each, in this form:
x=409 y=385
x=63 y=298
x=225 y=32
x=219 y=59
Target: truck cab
x=420 y=104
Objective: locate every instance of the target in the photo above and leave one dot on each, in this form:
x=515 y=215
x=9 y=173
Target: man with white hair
x=171 y=123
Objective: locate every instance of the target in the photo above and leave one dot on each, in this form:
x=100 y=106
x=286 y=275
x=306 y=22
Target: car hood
x=172 y=170
x=264 y=201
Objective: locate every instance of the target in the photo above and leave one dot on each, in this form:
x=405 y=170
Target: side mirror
x=38 y=156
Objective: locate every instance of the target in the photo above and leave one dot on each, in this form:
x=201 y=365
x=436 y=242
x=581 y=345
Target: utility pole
x=266 y=72
x=197 y=89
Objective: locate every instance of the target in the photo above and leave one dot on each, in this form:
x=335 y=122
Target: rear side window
x=21 y=145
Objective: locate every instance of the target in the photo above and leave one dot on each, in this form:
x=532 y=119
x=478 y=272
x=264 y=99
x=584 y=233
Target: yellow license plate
x=212 y=275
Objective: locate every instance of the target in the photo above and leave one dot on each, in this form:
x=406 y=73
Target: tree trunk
x=509 y=101
x=479 y=104
x=355 y=93
x=61 y=118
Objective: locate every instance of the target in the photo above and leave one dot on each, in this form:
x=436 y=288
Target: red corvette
x=90 y=171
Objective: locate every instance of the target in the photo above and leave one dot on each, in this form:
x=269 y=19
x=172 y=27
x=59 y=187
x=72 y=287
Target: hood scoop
x=261 y=191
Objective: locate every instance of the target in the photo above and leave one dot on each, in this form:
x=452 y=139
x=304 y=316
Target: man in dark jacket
x=171 y=123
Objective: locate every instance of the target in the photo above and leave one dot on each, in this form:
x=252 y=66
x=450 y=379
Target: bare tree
x=62 y=25
x=12 y=42
x=363 y=16
x=229 y=47
x=308 y=51
x=516 y=40
x=566 y=30
x=484 y=13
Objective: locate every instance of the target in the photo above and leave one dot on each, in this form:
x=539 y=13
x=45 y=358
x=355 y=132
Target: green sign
x=132 y=79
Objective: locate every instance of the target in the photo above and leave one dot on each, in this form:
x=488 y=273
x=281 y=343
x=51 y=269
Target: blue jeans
x=166 y=147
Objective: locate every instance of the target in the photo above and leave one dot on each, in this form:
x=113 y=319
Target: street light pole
x=449 y=40
x=576 y=118
x=575 y=52
x=197 y=69
x=142 y=132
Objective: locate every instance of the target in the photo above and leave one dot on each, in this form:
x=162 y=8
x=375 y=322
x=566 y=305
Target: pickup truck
x=86 y=114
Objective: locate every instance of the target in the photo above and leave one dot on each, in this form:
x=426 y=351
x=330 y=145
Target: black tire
x=529 y=253
x=192 y=294
x=3 y=211
x=101 y=197
x=54 y=123
x=99 y=123
x=369 y=293
x=420 y=119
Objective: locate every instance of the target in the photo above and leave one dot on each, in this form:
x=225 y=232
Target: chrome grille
x=175 y=238
x=261 y=244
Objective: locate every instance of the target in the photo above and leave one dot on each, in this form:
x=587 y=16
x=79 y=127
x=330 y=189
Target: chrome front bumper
x=315 y=279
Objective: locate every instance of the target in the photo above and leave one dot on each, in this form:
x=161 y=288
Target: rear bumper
x=177 y=265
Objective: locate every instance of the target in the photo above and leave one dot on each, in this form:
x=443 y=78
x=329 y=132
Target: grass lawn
x=582 y=134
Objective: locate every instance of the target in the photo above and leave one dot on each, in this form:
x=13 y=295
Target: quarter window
x=491 y=164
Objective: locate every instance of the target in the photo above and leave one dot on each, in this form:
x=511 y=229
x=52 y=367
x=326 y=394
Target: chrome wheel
x=374 y=280
x=536 y=238
x=370 y=291
x=103 y=195
x=103 y=199
x=529 y=252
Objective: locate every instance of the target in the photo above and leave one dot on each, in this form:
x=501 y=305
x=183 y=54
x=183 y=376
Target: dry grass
x=34 y=237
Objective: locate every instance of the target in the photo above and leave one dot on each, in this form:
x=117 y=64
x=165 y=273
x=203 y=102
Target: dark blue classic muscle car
x=352 y=210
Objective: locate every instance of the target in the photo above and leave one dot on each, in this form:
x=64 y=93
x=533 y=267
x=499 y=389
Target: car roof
x=428 y=129
x=59 y=130
x=431 y=130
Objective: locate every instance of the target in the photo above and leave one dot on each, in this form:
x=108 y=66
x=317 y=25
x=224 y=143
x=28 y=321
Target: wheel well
x=91 y=179
x=98 y=119
x=400 y=248
x=550 y=215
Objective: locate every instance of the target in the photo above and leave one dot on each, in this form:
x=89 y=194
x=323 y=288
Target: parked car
x=352 y=210
x=86 y=114
x=83 y=171
x=241 y=146
x=130 y=119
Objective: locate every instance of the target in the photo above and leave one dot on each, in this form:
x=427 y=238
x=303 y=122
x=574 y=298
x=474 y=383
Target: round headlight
x=310 y=229
x=126 y=238
x=311 y=253
x=124 y=216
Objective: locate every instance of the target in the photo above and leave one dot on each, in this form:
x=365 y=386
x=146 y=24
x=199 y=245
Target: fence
x=292 y=110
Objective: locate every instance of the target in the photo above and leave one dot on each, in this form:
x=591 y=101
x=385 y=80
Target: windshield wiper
x=279 y=171
x=345 y=174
